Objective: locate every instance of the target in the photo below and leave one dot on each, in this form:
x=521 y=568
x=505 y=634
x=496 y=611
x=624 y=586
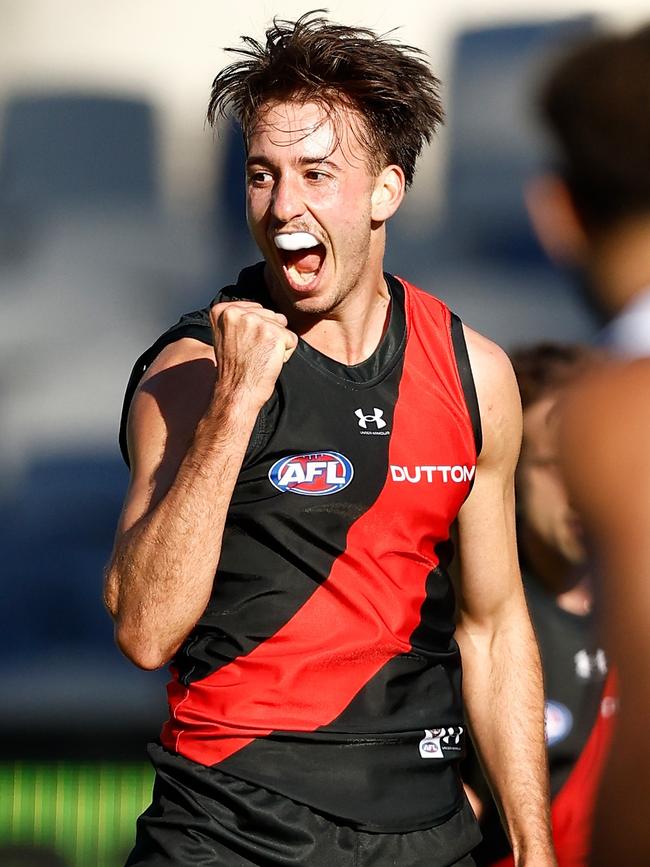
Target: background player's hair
x=315 y=60
x=546 y=367
x=595 y=105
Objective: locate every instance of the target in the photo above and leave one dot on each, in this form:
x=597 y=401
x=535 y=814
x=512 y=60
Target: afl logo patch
x=558 y=721
x=314 y=474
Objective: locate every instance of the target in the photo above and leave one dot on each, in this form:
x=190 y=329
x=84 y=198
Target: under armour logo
x=365 y=420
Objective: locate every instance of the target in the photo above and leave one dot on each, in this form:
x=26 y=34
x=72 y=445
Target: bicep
x=489 y=576
x=489 y=571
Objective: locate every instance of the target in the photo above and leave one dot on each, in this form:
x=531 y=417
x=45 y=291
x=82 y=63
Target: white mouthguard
x=295 y=241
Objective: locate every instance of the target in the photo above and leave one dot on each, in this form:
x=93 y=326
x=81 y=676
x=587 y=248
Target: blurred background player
x=558 y=584
x=596 y=215
x=593 y=213
x=606 y=428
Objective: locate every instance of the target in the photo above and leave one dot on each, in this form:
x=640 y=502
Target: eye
x=315 y=175
x=260 y=178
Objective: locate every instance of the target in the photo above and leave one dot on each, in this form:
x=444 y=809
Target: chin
x=306 y=300
x=314 y=306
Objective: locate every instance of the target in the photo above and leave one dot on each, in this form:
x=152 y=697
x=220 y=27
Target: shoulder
x=177 y=382
x=183 y=351
x=497 y=393
x=421 y=298
x=490 y=365
x=159 y=421
x=191 y=333
x=170 y=398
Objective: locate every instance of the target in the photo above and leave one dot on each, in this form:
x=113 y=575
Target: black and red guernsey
x=324 y=666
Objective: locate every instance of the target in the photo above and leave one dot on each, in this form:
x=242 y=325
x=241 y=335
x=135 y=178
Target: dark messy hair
x=544 y=368
x=315 y=60
x=596 y=104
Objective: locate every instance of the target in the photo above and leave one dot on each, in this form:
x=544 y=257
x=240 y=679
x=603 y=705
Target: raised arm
x=188 y=430
x=502 y=681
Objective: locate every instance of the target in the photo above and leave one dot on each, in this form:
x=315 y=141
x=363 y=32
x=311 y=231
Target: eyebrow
x=303 y=161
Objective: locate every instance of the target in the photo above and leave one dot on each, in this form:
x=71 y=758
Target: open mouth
x=302 y=257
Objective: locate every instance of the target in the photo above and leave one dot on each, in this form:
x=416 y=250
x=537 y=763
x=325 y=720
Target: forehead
x=307 y=129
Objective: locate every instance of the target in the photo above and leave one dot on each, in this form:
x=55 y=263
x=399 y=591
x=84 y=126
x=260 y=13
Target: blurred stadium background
x=119 y=211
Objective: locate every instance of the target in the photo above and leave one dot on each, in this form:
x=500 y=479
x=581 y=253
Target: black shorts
x=201 y=817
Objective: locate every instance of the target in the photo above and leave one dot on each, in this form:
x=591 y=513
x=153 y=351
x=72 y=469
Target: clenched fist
x=251 y=344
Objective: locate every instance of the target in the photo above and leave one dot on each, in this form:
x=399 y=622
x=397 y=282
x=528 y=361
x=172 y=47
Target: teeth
x=295 y=241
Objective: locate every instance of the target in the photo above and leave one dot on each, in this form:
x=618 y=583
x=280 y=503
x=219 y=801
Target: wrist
x=238 y=400
x=222 y=436
x=538 y=855
x=236 y=404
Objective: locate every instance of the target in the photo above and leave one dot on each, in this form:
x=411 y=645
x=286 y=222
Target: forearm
x=503 y=695
x=162 y=570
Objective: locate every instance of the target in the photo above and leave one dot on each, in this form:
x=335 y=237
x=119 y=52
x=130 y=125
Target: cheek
x=256 y=216
x=328 y=198
x=257 y=202
x=346 y=206
x=551 y=505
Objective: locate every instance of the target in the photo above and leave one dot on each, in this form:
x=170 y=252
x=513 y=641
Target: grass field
x=85 y=812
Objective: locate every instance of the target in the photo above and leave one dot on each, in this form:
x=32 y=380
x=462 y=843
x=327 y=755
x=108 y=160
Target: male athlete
x=299 y=452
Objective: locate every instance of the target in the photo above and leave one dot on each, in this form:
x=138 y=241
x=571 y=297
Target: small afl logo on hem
x=313 y=474
x=435 y=741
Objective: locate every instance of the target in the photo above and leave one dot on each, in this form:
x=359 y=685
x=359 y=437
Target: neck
x=568 y=582
x=351 y=333
x=620 y=263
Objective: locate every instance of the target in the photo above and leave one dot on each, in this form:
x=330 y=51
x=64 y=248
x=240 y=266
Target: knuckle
x=218 y=308
x=230 y=314
x=230 y=307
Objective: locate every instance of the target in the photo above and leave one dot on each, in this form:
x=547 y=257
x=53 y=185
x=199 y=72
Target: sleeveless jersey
x=324 y=666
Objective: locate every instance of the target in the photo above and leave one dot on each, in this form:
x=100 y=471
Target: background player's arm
x=502 y=680
x=606 y=428
x=189 y=427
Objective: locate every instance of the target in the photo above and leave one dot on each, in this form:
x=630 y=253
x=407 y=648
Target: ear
x=387 y=193
x=555 y=219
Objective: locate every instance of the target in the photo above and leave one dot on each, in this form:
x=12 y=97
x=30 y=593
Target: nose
x=287 y=202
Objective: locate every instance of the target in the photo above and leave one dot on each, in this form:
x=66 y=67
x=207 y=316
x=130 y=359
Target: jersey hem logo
x=312 y=474
x=437 y=742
